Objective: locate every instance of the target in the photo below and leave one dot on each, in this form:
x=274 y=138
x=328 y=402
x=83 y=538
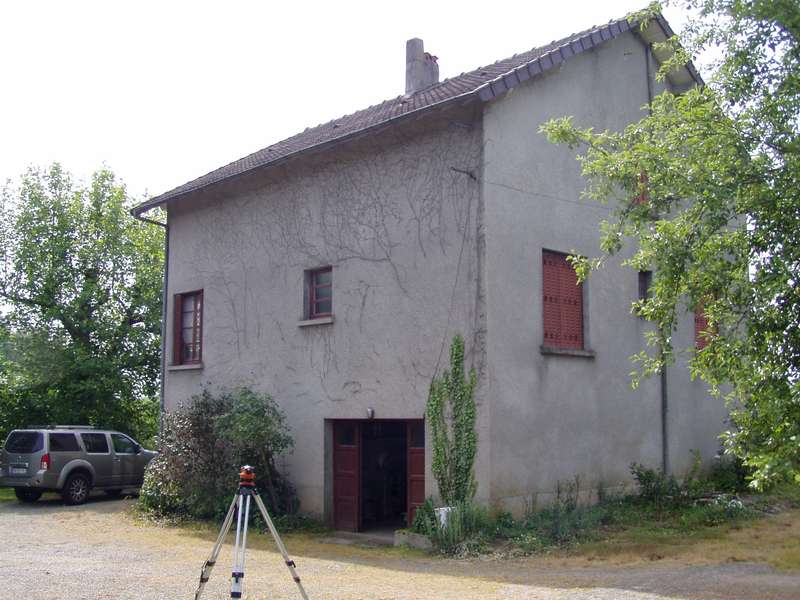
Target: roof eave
x=541 y=64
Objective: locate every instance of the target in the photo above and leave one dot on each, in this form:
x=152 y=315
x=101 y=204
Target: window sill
x=187 y=367
x=566 y=352
x=317 y=321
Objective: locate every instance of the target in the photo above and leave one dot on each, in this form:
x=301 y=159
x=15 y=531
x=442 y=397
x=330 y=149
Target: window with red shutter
x=562 y=305
x=188 y=343
x=700 y=327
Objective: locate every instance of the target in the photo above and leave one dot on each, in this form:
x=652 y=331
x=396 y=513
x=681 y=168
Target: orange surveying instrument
x=240 y=510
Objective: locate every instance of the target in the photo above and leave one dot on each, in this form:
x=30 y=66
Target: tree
x=451 y=416
x=707 y=190
x=80 y=281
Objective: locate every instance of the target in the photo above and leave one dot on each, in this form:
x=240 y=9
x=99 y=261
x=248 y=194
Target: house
x=333 y=269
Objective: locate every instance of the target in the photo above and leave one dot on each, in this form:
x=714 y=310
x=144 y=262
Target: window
x=645 y=280
x=95 y=443
x=347 y=434
x=562 y=303
x=24 y=442
x=700 y=327
x=63 y=442
x=188 y=347
x=320 y=293
x=123 y=444
x=417 y=432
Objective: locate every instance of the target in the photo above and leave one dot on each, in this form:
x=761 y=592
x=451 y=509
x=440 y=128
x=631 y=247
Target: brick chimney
x=421 y=68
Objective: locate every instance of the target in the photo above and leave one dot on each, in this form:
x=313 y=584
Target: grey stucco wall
x=433 y=228
x=394 y=214
x=558 y=417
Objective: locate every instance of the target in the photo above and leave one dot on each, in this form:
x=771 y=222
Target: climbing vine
x=451 y=416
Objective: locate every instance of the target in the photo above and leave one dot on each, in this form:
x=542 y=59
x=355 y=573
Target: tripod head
x=247 y=476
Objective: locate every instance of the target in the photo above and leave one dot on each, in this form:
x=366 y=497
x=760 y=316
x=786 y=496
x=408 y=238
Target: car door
x=98 y=453
x=125 y=463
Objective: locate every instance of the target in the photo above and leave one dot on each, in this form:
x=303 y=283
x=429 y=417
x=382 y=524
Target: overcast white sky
x=163 y=92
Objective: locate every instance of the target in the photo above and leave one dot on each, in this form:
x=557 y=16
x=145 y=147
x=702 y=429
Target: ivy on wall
x=451 y=416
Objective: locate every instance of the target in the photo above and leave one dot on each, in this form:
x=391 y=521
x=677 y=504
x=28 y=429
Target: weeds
x=664 y=507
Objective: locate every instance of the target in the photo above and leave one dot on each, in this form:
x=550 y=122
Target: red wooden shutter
x=177 y=317
x=415 y=443
x=700 y=327
x=346 y=475
x=562 y=305
x=551 y=300
x=643 y=197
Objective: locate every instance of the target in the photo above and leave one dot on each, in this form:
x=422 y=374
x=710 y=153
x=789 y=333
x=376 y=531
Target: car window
x=63 y=442
x=25 y=442
x=123 y=444
x=95 y=443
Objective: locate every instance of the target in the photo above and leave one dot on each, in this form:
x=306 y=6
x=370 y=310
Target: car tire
x=113 y=493
x=76 y=489
x=27 y=494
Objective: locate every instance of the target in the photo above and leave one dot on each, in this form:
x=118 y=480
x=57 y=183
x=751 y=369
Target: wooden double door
x=378 y=472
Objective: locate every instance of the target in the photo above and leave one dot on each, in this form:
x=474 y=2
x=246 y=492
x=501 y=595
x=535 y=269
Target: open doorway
x=378 y=473
x=383 y=475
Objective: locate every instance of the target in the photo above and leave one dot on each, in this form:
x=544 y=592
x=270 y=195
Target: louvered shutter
x=562 y=305
x=177 y=316
x=700 y=327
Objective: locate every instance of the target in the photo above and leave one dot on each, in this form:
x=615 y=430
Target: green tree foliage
x=706 y=188
x=202 y=446
x=80 y=283
x=451 y=417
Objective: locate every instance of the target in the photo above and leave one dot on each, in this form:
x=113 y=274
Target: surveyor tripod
x=240 y=510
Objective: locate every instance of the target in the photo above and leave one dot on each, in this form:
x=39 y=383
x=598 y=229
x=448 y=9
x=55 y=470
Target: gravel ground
x=99 y=551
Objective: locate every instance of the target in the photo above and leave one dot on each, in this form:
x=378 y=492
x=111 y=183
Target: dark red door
x=346 y=475
x=415 y=436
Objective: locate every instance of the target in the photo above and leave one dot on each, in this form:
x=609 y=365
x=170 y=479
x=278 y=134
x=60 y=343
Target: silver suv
x=71 y=460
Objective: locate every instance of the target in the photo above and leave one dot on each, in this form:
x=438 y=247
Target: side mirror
x=137 y=448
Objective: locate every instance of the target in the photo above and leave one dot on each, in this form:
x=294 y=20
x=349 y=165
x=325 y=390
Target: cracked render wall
x=557 y=417
x=395 y=215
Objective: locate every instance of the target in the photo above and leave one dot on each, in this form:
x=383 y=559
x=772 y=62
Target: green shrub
x=656 y=487
x=423 y=516
x=729 y=474
x=466 y=531
x=202 y=446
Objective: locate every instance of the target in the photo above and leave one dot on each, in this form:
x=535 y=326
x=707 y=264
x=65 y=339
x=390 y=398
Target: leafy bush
x=423 y=516
x=465 y=532
x=729 y=474
x=656 y=487
x=202 y=446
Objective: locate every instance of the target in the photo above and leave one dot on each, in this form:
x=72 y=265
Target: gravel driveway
x=99 y=551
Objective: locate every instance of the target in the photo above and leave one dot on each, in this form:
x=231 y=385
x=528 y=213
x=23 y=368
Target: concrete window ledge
x=312 y=322
x=190 y=367
x=567 y=352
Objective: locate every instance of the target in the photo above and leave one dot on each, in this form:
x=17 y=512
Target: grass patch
x=7 y=495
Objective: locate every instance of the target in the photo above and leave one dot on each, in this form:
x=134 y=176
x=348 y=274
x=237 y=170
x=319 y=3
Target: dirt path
x=99 y=551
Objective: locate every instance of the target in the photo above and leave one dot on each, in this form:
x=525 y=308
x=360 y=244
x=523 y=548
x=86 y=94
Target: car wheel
x=113 y=493
x=27 y=495
x=76 y=489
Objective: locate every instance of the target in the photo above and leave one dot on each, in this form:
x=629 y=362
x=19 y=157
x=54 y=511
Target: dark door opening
x=378 y=473
x=384 y=477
